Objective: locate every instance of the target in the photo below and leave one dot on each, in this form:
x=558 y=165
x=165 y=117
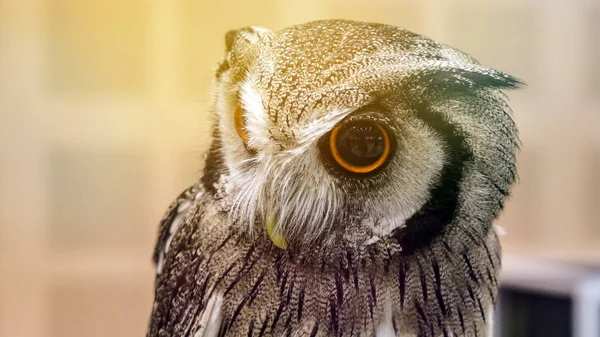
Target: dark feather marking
x=421 y=332
x=347 y=265
x=490 y=276
x=333 y=313
x=220 y=279
x=345 y=270
x=203 y=285
x=315 y=329
x=370 y=301
x=244 y=270
x=197 y=312
x=233 y=283
x=373 y=289
x=481 y=310
x=277 y=314
x=263 y=329
x=341 y=331
x=339 y=287
x=492 y=296
x=386 y=266
x=388 y=261
x=365 y=321
x=254 y=290
x=449 y=250
x=288 y=321
x=502 y=191
x=436 y=273
x=250 y=328
x=315 y=104
x=471 y=238
x=471 y=294
x=440 y=300
x=283 y=283
x=423 y=283
x=421 y=312
x=470 y=269
x=248 y=255
x=278 y=267
x=355 y=273
x=323 y=263
x=223 y=328
x=461 y=320
x=290 y=289
x=402 y=279
x=301 y=302
x=349 y=257
x=394 y=326
x=237 y=311
x=489 y=255
x=180 y=278
x=445 y=332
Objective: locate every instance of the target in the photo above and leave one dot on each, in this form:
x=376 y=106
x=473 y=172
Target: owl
x=354 y=173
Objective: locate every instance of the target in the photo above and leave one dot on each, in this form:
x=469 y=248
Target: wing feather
x=171 y=222
x=178 y=308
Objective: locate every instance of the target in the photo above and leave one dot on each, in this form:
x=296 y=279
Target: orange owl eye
x=360 y=146
x=240 y=124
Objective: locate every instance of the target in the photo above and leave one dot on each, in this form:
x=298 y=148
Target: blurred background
x=103 y=121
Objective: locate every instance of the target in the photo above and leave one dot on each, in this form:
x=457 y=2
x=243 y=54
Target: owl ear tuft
x=484 y=78
x=251 y=35
x=229 y=38
x=461 y=78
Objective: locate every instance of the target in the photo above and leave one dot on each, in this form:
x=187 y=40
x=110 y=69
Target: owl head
x=342 y=131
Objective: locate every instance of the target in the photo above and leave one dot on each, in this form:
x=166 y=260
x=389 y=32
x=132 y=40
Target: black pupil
x=360 y=143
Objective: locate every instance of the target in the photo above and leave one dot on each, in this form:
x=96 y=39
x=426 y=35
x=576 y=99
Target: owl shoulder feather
x=171 y=222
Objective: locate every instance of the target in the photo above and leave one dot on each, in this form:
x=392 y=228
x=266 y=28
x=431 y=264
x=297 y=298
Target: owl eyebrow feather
x=438 y=76
x=456 y=79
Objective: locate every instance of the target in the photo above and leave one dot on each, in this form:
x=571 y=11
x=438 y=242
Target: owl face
x=339 y=130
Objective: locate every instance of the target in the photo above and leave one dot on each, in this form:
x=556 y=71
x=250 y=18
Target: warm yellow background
x=103 y=120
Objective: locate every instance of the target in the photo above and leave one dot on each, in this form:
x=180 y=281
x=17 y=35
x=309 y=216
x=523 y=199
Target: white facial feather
x=288 y=182
x=292 y=189
x=289 y=179
x=257 y=121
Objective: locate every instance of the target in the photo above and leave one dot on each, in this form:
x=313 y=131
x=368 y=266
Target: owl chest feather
x=217 y=281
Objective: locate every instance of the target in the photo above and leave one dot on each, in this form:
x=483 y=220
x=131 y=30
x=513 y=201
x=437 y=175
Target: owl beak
x=274 y=234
